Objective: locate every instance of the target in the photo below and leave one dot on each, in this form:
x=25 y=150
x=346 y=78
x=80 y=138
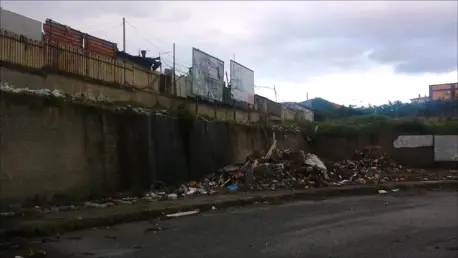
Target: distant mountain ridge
x=324 y=109
x=315 y=103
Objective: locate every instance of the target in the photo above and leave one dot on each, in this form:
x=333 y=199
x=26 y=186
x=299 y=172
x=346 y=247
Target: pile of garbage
x=278 y=169
x=369 y=165
x=282 y=169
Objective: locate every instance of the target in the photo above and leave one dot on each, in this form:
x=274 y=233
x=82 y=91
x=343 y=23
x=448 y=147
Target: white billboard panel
x=446 y=147
x=207 y=75
x=242 y=83
x=20 y=24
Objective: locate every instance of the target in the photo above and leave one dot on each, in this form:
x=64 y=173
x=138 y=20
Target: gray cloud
x=78 y=10
x=414 y=37
x=302 y=39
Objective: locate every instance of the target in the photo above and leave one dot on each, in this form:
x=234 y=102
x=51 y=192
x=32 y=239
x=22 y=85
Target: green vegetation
x=184 y=114
x=325 y=110
x=398 y=109
x=415 y=118
x=369 y=124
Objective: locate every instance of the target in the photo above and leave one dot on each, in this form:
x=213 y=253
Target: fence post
x=233 y=110
x=44 y=45
x=56 y=54
x=197 y=106
x=86 y=53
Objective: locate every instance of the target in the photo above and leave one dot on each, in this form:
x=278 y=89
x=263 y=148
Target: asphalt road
x=382 y=226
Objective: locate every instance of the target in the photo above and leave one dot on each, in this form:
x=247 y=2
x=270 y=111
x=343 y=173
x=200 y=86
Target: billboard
x=242 y=83
x=207 y=76
x=20 y=25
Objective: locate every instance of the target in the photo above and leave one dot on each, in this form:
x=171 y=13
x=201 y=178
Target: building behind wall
x=445 y=91
x=268 y=109
x=419 y=99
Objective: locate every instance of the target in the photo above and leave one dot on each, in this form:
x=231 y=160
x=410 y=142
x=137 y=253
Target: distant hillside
x=327 y=110
x=324 y=109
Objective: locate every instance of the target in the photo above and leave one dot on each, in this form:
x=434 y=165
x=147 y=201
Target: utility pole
x=174 y=80
x=124 y=44
x=124 y=34
x=160 y=67
x=275 y=91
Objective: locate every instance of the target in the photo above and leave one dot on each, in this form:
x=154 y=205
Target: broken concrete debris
x=286 y=169
x=280 y=169
x=40 y=92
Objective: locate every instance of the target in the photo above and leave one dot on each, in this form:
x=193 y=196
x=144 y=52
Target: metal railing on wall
x=58 y=57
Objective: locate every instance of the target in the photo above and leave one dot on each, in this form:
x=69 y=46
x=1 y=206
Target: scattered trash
x=278 y=169
x=213 y=208
x=41 y=92
x=172 y=196
x=382 y=192
x=36 y=253
x=181 y=214
x=232 y=187
x=99 y=205
x=7 y=214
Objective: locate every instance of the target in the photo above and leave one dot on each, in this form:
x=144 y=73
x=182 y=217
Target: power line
x=149 y=36
x=167 y=62
x=100 y=25
x=136 y=30
x=178 y=59
x=142 y=34
x=176 y=69
x=273 y=88
x=105 y=28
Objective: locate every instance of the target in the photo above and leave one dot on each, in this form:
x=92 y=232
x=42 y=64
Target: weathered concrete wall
x=53 y=148
x=173 y=150
x=413 y=152
x=82 y=88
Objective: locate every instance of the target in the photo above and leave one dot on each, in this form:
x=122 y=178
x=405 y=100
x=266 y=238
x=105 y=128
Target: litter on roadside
x=278 y=169
x=181 y=214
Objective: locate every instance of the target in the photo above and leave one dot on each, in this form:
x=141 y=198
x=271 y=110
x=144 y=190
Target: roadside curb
x=47 y=228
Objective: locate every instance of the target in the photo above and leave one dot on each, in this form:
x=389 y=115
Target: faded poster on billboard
x=242 y=83
x=207 y=75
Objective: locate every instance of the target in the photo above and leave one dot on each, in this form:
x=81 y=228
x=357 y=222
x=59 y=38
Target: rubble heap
x=369 y=165
x=287 y=169
x=278 y=169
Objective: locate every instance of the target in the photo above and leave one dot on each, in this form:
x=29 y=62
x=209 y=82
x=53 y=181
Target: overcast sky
x=347 y=52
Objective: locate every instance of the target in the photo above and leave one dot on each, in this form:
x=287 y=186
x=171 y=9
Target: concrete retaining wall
x=56 y=149
x=413 y=151
x=77 y=87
